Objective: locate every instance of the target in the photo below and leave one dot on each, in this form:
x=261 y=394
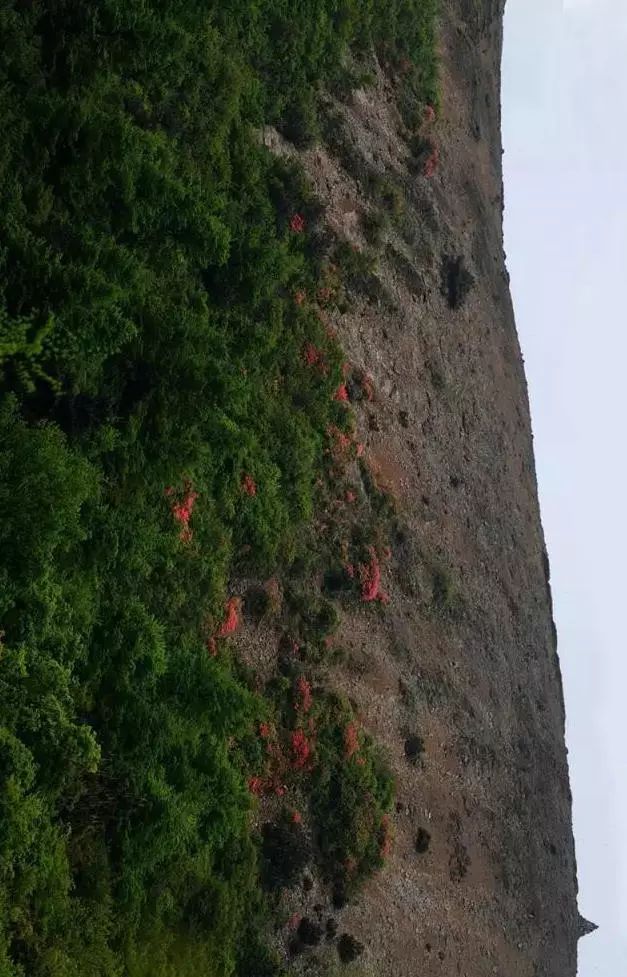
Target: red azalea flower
x=248 y=485
x=313 y=356
x=341 y=393
x=231 y=621
x=350 y=496
x=297 y=817
x=370 y=575
x=182 y=511
x=301 y=749
x=297 y=224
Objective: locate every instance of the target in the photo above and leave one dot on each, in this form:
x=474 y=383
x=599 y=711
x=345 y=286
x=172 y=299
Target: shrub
x=456 y=281
x=349 y=948
x=285 y=853
x=374 y=224
x=423 y=840
x=414 y=748
x=352 y=792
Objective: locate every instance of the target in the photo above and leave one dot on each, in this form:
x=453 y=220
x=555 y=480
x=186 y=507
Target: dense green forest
x=160 y=431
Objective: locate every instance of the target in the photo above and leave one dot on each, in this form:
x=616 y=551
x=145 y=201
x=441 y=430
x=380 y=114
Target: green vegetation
x=351 y=800
x=151 y=361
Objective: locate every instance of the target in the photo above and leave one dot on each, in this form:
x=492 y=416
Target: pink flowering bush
x=432 y=162
x=231 y=619
x=249 y=486
x=182 y=510
x=301 y=750
x=370 y=576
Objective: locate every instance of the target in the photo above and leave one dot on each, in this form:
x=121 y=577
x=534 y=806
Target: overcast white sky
x=565 y=135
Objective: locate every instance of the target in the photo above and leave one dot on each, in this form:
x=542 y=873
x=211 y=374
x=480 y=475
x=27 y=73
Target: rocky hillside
x=279 y=688
x=460 y=677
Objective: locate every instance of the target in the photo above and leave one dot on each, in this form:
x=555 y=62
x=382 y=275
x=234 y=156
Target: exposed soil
x=482 y=877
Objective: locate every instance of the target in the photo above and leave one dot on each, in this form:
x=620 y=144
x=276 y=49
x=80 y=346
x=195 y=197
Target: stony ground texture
x=465 y=654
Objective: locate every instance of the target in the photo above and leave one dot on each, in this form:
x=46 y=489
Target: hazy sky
x=565 y=135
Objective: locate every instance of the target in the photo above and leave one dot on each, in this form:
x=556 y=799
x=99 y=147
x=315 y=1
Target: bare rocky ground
x=465 y=655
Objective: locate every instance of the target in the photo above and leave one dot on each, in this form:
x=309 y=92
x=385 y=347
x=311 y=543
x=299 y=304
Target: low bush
x=352 y=795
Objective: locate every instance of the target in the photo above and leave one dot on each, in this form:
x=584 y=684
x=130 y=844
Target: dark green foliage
x=375 y=226
x=353 y=791
x=349 y=948
x=423 y=840
x=456 y=280
x=149 y=341
x=414 y=748
x=285 y=854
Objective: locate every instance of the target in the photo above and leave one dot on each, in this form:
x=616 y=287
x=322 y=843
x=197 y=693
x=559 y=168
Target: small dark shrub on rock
x=414 y=747
x=423 y=840
x=285 y=852
x=309 y=933
x=349 y=948
x=456 y=281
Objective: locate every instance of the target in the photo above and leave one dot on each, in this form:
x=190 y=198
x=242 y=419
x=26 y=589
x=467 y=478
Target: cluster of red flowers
x=301 y=749
x=305 y=698
x=259 y=785
x=249 y=486
x=350 y=496
x=231 y=620
x=341 y=394
x=229 y=625
x=341 y=445
x=297 y=224
x=182 y=511
x=315 y=357
x=370 y=576
x=351 y=741
x=432 y=162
